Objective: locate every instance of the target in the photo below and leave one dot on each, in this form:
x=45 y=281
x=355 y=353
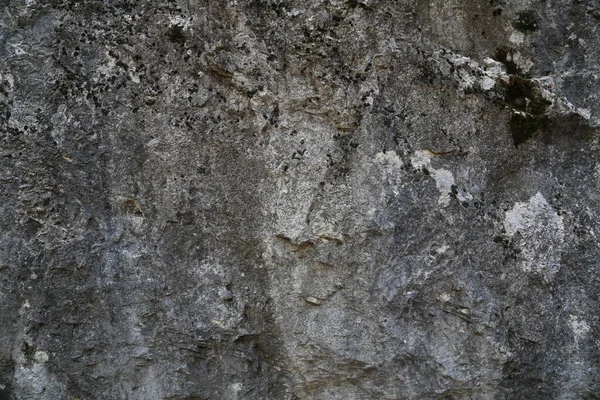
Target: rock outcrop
x=284 y=199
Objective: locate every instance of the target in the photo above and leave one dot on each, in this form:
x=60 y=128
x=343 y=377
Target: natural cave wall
x=329 y=199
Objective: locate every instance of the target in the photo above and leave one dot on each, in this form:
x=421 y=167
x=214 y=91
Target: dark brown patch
x=504 y=55
x=523 y=96
x=176 y=35
x=523 y=127
x=526 y=22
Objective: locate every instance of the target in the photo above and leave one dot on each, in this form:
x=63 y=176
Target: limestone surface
x=289 y=200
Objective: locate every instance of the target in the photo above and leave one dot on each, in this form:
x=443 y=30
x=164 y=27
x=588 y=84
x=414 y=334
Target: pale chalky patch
x=389 y=158
x=542 y=234
x=444 y=179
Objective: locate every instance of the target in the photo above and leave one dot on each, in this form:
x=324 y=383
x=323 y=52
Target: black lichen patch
x=505 y=56
x=524 y=126
x=357 y=3
x=28 y=351
x=523 y=95
x=176 y=35
x=526 y=22
x=529 y=108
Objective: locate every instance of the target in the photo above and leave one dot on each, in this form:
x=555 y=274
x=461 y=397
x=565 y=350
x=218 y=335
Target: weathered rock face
x=299 y=200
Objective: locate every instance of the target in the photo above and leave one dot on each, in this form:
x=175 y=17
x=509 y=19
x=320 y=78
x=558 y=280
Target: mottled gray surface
x=265 y=199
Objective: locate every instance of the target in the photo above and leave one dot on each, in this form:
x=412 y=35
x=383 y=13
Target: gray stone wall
x=362 y=199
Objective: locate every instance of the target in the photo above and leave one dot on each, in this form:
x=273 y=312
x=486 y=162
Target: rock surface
x=284 y=199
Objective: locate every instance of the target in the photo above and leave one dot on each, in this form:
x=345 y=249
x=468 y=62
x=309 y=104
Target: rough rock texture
x=265 y=199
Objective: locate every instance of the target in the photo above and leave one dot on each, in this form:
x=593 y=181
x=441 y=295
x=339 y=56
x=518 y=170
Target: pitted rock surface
x=283 y=199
